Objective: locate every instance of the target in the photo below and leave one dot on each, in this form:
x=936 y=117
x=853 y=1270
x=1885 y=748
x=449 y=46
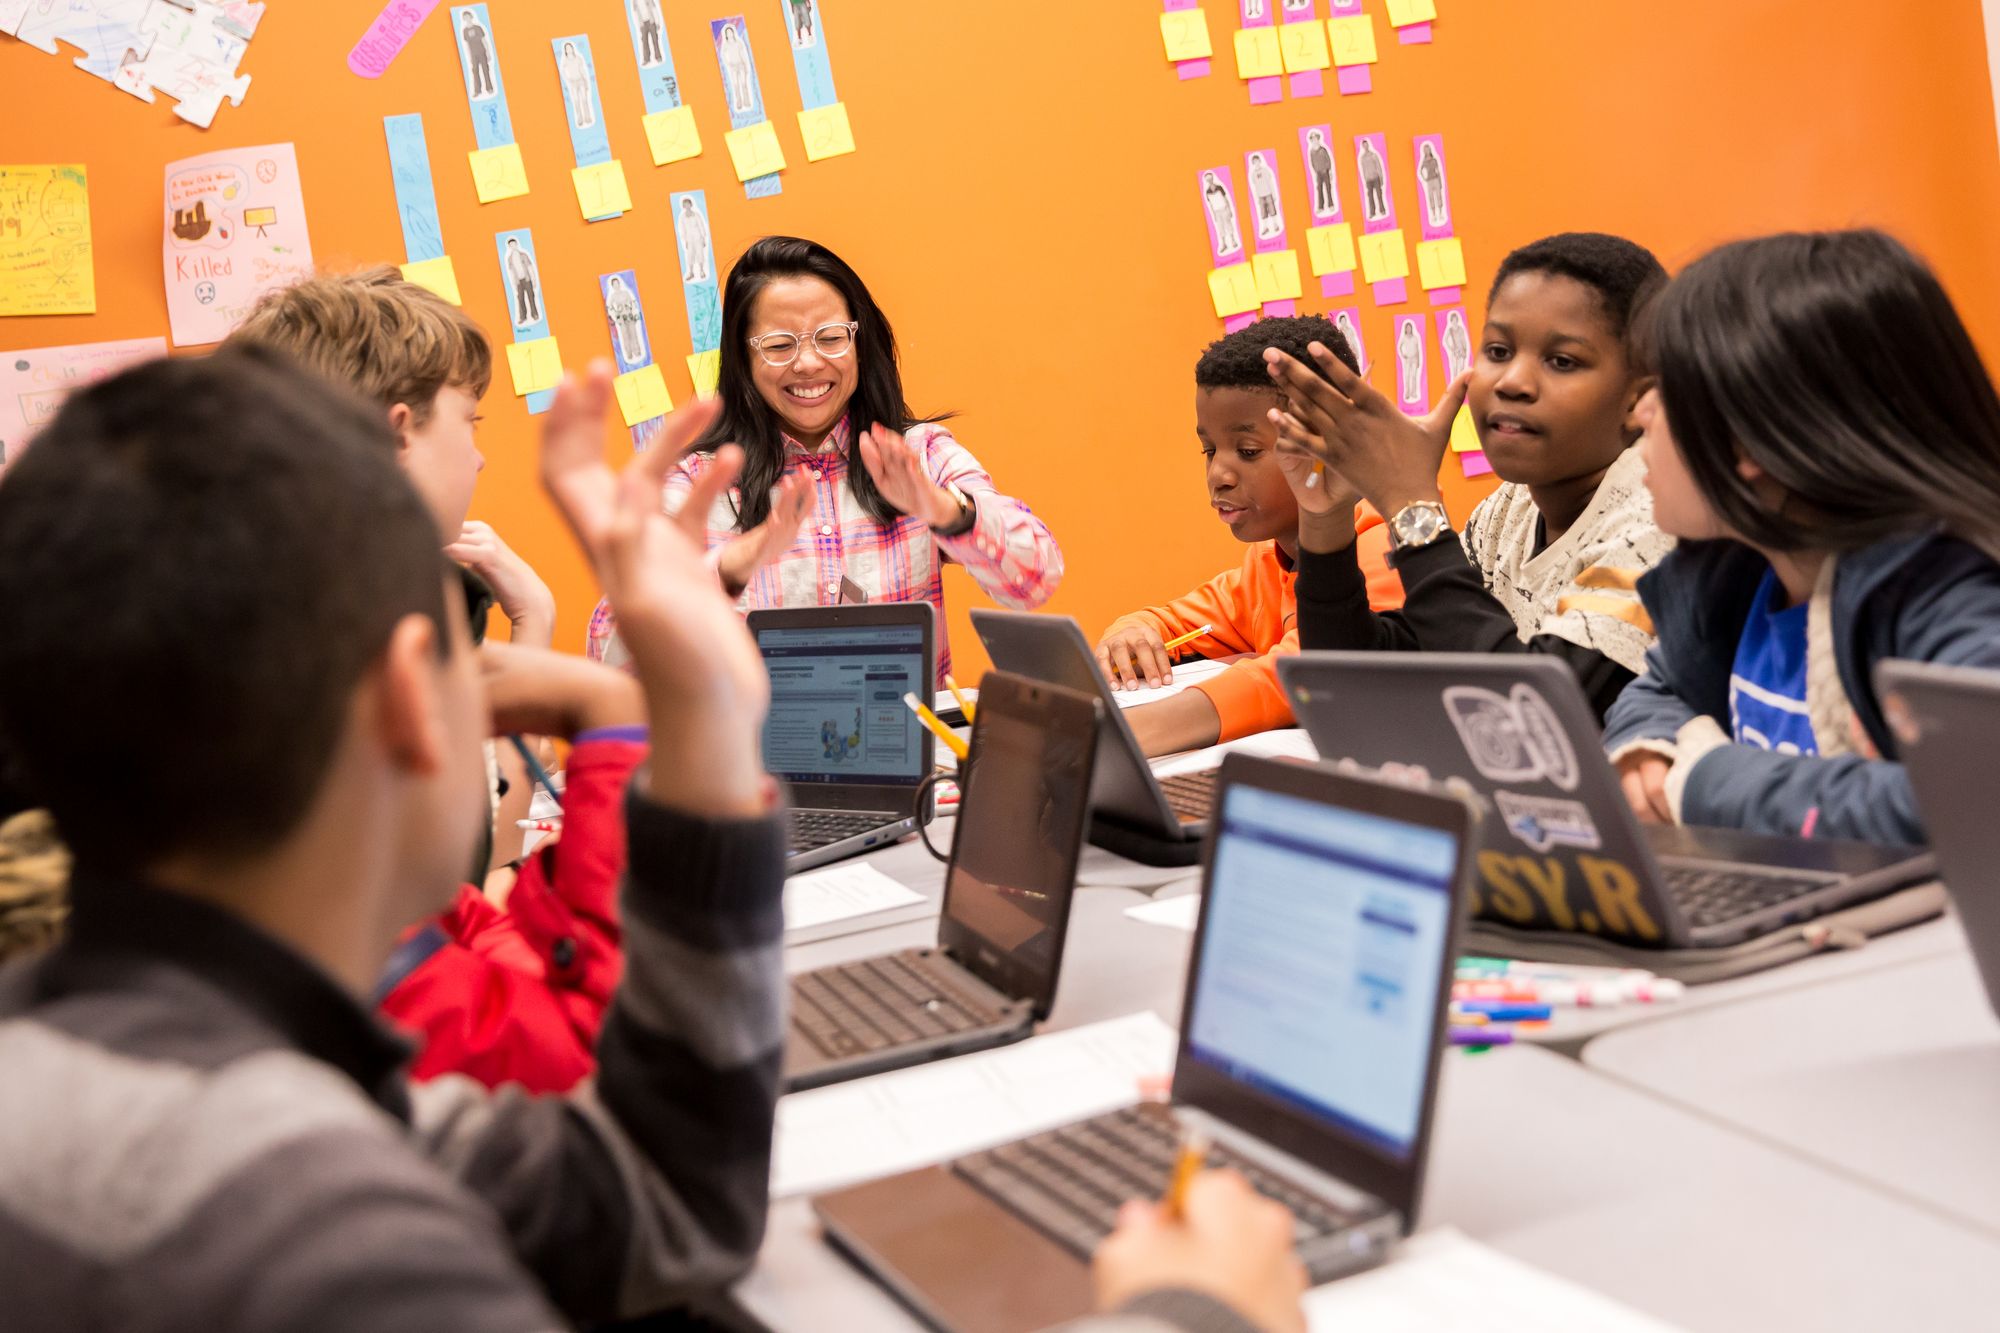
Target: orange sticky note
x=1464 y=435
x=672 y=135
x=601 y=191
x=1383 y=257
x=642 y=394
x=1303 y=46
x=1234 y=290
x=1402 y=13
x=1353 y=40
x=1331 y=248
x=436 y=275
x=1258 y=54
x=755 y=151
x=535 y=365
x=1185 y=32
x=1440 y=263
x=1277 y=274
x=705 y=368
x=498 y=173
x=826 y=131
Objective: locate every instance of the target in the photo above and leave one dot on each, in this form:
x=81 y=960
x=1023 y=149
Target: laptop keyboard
x=813 y=829
x=1070 y=1182
x=1191 y=796
x=877 y=1003
x=1710 y=895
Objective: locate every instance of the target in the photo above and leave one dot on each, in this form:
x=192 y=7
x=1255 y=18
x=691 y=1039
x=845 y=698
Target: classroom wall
x=1023 y=198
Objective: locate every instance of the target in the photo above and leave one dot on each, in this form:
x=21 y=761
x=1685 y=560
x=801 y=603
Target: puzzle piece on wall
x=187 y=49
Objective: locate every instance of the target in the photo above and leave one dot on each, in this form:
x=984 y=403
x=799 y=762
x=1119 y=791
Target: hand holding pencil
x=1134 y=655
x=1228 y=1242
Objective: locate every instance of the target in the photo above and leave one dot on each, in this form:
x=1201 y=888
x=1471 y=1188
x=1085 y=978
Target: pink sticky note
x=1193 y=69
x=388 y=35
x=1280 y=309
x=1394 y=291
x=1337 y=284
x=1235 y=322
x=1266 y=90
x=1354 y=79
x=1475 y=465
x=1308 y=83
x=1415 y=35
x=1447 y=295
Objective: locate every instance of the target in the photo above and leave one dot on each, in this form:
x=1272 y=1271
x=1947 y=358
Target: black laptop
x=1133 y=813
x=849 y=752
x=1313 y=1018
x=1007 y=894
x=1562 y=851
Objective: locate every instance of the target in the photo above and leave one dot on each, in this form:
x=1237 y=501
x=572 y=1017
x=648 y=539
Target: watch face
x=1418 y=525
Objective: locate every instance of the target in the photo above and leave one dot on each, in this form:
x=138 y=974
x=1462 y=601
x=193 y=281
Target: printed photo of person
x=697 y=254
x=478 y=53
x=526 y=284
x=732 y=47
x=1319 y=166
x=1264 y=193
x=576 y=87
x=1345 y=321
x=805 y=24
x=1374 y=181
x=1409 y=363
x=1457 y=344
x=622 y=304
x=1221 y=215
x=650 y=23
x=1430 y=175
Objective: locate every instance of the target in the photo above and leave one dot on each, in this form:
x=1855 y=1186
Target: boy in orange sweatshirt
x=1250 y=609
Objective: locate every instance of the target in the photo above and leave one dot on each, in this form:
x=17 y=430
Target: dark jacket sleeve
x=1446 y=609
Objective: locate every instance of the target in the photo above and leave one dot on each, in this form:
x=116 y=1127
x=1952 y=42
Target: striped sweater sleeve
x=650 y=1182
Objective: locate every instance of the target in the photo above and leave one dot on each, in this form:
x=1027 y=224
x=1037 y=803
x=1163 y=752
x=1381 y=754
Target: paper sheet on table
x=840 y=893
x=874 y=1127
x=1444 y=1282
x=1186 y=675
x=1290 y=743
x=1173 y=913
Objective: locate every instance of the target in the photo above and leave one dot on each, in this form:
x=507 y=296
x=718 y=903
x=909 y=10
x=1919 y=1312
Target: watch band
x=967 y=514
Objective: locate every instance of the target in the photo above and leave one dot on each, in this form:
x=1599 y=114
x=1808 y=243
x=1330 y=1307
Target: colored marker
x=1481 y=1037
x=1502 y=1011
x=539 y=825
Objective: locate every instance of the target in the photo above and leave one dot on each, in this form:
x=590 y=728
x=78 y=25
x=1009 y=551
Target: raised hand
x=1390 y=459
x=746 y=553
x=901 y=479
x=523 y=597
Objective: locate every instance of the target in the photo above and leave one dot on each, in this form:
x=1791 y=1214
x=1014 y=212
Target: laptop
x=1310 y=1030
x=1007 y=893
x=1133 y=813
x=851 y=756
x=1563 y=851
x=1947 y=719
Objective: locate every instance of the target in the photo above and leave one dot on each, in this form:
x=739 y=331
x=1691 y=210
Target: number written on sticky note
x=1402 y=13
x=704 y=369
x=535 y=365
x=1383 y=257
x=1353 y=40
x=826 y=131
x=1331 y=249
x=1277 y=273
x=1258 y=55
x=755 y=151
x=1303 y=46
x=1234 y=290
x=642 y=394
x=1185 y=32
x=672 y=135
x=498 y=173
x=601 y=191
x=1440 y=263
x=435 y=275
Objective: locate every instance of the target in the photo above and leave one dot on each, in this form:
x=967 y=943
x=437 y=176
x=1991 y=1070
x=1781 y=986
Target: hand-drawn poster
x=235 y=228
x=33 y=383
x=45 y=262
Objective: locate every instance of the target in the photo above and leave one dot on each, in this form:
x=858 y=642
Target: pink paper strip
x=1414 y=35
x=1306 y=83
x=388 y=35
x=1267 y=209
x=1447 y=295
x=1352 y=79
x=1193 y=69
x=1348 y=320
x=1280 y=309
x=1225 y=225
x=1269 y=89
x=1336 y=284
x=1235 y=322
x=1393 y=292
x=1475 y=465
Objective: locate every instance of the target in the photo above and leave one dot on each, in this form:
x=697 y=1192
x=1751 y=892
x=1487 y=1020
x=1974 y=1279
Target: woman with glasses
x=840 y=478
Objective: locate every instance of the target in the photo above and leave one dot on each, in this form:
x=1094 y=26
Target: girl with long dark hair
x=1826 y=442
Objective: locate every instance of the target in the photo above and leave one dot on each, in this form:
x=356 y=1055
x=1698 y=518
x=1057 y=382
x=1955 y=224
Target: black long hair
x=747 y=420
x=1837 y=364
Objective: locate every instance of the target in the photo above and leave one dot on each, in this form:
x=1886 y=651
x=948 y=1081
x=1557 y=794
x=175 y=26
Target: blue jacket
x=1930 y=598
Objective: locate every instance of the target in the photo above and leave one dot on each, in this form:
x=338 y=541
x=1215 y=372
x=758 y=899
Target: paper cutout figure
x=1253 y=9
x=651 y=23
x=1374 y=182
x=1457 y=344
x=1410 y=387
x=701 y=295
x=1264 y=191
x=1319 y=163
x=217 y=263
x=805 y=24
x=478 y=57
x=1228 y=237
x=1344 y=320
x=582 y=98
x=623 y=308
x=526 y=283
x=697 y=253
x=735 y=56
x=1430 y=175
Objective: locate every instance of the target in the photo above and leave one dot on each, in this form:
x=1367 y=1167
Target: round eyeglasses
x=829 y=340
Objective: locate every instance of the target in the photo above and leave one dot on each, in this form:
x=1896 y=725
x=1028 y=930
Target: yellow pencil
x=1193 y=1153
x=964 y=705
x=938 y=728
x=1188 y=637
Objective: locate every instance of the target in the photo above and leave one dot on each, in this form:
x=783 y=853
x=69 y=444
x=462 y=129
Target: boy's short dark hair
x=198 y=560
x=1624 y=274
x=1236 y=360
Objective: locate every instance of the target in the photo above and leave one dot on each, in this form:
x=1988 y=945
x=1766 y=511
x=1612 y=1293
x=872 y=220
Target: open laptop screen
x=837 y=712
x=1325 y=933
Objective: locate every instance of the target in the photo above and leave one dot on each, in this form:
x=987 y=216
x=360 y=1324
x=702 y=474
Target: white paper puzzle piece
x=187 y=49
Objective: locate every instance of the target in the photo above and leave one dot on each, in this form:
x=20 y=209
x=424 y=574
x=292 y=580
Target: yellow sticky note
x=1464 y=435
x=672 y=135
x=826 y=131
x=1440 y=263
x=1383 y=257
x=1331 y=248
x=1278 y=275
x=1185 y=32
x=1234 y=290
x=601 y=191
x=1402 y=13
x=755 y=151
x=1257 y=53
x=535 y=365
x=705 y=368
x=1303 y=46
x=437 y=275
x=499 y=173
x=642 y=394
x=46 y=266
x=1353 y=40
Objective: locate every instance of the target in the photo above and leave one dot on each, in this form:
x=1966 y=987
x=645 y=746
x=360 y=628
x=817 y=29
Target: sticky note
x=672 y=135
x=536 y=365
x=755 y=151
x=437 y=275
x=1303 y=46
x=642 y=394
x=1353 y=40
x=826 y=131
x=1464 y=435
x=1402 y=13
x=705 y=368
x=46 y=263
x=1331 y=248
x=1234 y=290
x=1383 y=257
x=601 y=191
x=1185 y=32
x=1277 y=273
x=1440 y=263
x=1475 y=465
x=499 y=173
x=1257 y=53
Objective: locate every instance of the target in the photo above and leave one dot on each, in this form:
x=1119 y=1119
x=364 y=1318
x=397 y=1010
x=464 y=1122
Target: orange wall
x=1022 y=199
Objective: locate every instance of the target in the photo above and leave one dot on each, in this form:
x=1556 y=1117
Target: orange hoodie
x=1254 y=610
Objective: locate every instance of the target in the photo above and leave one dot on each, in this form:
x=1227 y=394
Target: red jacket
x=517 y=995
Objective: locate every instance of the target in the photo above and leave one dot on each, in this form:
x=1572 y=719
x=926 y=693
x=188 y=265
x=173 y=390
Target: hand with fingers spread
x=1132 y=655
x=902 y=480
x=1391 y=459
x=746 y=553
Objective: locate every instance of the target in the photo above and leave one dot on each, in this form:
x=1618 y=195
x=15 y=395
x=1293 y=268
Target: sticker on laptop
x=1512 y=738
x=1543 y=822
